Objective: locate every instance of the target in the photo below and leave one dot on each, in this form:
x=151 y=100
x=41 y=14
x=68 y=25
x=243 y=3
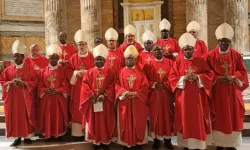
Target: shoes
x=105 y=147
x=16 y=142
x=95 y=147
x=156 y=144
x=168 y=145
x=27 y=141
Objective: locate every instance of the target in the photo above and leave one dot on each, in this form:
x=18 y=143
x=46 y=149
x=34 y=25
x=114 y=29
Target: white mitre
x=111 y=34
x=148 y=35
x=193 y=26
x=18 y=47
x=131 y=50
x=164 y=25
x=186 y=39
x=224 y=31
x=100 y=50
x=79 y=36
x=53 y=49
x=129 y=29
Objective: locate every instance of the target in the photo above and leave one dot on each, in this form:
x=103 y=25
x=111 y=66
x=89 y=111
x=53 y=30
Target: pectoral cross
x=18 y=76
x=99 y=83
x=148 y=59
x=161 y=72
x=226 y=65
x=36 y=67
x=81 y=66
x=166 y=48
x=190 y=71
x=111 y=58
x=51 y=79
x=64 y=53
x=130 y=79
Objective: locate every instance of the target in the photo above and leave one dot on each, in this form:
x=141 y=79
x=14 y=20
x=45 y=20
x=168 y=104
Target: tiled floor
x=4 y=145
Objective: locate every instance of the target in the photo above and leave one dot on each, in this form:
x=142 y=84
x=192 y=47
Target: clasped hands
x=80 y=73
x=191 y=77
x=227 y=79
x=52 y=91
x=130 y=94
x=18 y=83
x=96 y=99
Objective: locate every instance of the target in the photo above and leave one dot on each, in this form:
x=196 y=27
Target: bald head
x=63 y=37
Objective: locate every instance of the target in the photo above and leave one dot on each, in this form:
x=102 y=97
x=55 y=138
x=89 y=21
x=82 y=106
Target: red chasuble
x=115 y=60
x=169 y=45
x=37 y=63
x=100 y=125
x=132 y=112
x=126 y=44
x=53 y=117
x=227 y=98
x=77 y=63
x=19 y=106
x=191 y=99
x=160 y=100
x=67 y=51
x=146 y=57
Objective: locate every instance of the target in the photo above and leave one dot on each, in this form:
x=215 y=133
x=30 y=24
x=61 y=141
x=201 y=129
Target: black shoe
x=105 y=147
x=95 y=147
x=16 y=142
x=168 y=144
x=48 y=140
x=60 y=139
x=219 y=148
x=156 y=144
x=27 y=141
x=231 y=148
x=125 y=148
x=138 y=147
x=79 y=138
x=185 y=148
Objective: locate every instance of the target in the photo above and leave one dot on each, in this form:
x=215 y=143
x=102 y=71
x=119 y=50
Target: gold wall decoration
x=140 y=1
x=142 y=30
x=142 y=14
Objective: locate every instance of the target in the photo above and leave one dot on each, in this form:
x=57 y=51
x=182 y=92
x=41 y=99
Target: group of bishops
x=128 y=93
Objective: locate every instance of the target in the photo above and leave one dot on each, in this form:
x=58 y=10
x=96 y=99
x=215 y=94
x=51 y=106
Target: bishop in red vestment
x=130 y=32
x=170 y=46
x=115 y=60
x=190 y=79
x=97 y=101
x=68 y=50
x=131 y=101
x=78 y=65
x=35 y=59
x=19 y=81
x=53 y=92
x=229 y=82
x=160 y=100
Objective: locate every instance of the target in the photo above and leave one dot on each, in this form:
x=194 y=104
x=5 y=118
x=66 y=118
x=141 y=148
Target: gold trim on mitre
x=131 y=50
x=53 y=49
x=111 y=34
x=148 y=35
x=100 y=50
x=193 y=26
x=224 y=31
x=79 y=36
x=164 y=25
x=18 y=47
x=129 y=29
x=186 y=39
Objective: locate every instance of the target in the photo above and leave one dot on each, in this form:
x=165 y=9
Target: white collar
x=159 y=60
x=100 y=68
x=84 y=55
x=189 y=58
x=19 y=66
x=130 y=67
x=221 y=52
x=146 y=51
x=64 y=44
x=53 y=67
x=34 y=57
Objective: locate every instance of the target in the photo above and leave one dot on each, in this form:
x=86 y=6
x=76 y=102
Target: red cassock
x=227 y=98
x=53 y=117
x=126 y=44
x=160 y=100
x=132 y=112
x=37 y=63
x=146 y=57
x=19 y=106
x=192 y=99
x=77 y=63
x=169 y=45
x=68 y=50
x=100 y=125
x=115 y=60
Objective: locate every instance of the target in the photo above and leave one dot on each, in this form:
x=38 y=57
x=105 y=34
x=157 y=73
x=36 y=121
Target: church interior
x=40 y=21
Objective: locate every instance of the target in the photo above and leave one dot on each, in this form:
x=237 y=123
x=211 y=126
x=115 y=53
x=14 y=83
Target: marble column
x=196 y=10
x=90 y=20
x=236 y=14
x=53 y=21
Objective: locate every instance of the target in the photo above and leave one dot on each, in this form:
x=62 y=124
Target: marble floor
x=4 y=145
